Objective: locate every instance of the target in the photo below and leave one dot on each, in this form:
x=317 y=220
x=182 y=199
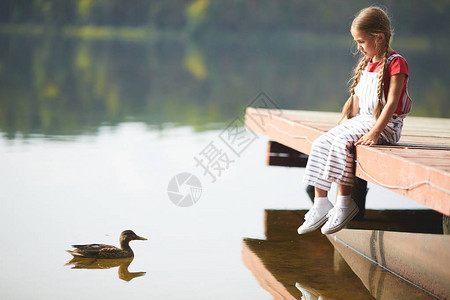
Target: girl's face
x=366 y=43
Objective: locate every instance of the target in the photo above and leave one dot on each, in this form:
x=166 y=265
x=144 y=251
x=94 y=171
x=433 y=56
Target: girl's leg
x=331 y=159
x=344 y=190
x=319 y=193
x=339 y=166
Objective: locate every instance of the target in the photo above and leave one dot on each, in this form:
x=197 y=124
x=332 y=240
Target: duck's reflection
x=96 y=263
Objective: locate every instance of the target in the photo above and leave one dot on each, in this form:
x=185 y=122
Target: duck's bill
x=140 y=238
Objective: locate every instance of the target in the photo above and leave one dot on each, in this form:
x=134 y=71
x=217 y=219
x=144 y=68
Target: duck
x=102 y=251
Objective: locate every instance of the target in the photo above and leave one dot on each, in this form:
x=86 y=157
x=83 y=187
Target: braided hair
x=380 y=103
x=348 y=106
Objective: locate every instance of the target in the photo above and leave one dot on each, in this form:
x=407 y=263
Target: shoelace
x=311 y=212
x=335 y=212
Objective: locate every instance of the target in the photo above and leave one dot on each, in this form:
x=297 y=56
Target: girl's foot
x=338 y=217
x=316 y=216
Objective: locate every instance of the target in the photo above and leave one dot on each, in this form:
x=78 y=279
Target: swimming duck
x=108 y=251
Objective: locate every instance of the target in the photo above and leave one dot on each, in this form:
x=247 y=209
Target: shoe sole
x=345 y=222
x=314 y=227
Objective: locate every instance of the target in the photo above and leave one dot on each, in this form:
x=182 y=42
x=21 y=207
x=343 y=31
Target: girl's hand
x=368 y=139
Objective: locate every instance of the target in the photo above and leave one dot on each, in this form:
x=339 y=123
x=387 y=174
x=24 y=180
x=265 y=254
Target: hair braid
x=358 y=71
x=380 y=104
x=348 y=106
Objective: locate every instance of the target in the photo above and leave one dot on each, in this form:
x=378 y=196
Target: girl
x=379 y=94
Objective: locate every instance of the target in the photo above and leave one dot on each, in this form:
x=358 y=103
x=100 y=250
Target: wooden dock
x=418 y=167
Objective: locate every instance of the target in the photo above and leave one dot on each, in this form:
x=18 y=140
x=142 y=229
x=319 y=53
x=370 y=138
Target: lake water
x=88 y=189
x=91 y=135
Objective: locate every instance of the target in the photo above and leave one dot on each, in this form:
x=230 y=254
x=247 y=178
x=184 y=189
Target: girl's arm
x=395 y=89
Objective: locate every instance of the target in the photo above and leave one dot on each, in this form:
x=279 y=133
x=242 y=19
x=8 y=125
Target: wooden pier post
x=359 y=193
x=446 y=224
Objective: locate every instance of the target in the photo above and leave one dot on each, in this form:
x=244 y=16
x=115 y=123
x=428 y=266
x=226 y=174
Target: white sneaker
x=315 y=218
x=338 y=217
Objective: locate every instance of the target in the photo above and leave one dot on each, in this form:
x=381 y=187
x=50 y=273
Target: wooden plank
x=408 y=177
x=280 y=155
x=376 y=279
x=423 y=259
x=285 y=128
x=266 y=279
x=419 y=168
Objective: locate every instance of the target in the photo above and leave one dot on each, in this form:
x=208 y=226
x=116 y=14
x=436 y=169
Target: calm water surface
x=87 y=151
x=89 y=188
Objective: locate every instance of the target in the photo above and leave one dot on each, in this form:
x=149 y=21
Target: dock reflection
x=93 y=263
x=290 y=266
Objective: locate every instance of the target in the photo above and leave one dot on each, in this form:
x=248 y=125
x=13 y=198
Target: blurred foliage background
x=69 y=67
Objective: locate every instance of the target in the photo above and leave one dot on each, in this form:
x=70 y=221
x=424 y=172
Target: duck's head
x=128 y=235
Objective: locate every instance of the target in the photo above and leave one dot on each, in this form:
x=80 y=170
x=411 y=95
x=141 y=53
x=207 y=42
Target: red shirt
x=398 y=65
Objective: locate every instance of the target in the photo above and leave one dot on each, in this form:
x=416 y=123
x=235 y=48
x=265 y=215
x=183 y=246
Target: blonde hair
x=372 y=21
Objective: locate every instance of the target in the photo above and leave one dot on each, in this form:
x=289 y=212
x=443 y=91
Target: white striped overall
x=332 y=155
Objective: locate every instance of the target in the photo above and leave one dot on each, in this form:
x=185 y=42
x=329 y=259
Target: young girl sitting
x=379 y=94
